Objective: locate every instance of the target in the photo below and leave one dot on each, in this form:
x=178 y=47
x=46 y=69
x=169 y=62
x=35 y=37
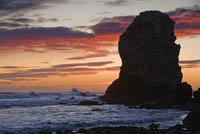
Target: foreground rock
x=137 y=130
x=178 y=129
x=192 y=121
x=150 y=71
x=45 y=132
x=196 y=95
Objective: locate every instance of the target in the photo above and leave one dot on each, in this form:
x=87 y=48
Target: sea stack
x=150 y=71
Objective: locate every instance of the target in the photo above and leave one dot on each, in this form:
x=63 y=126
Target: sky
x=53 y=46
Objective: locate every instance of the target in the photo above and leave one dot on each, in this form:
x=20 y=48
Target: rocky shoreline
x=153 y=129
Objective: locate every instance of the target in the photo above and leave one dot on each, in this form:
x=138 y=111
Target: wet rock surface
x=196 y=95
x=150 y=71
x=192 y=121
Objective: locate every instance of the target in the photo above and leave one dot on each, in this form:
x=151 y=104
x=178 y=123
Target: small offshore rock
x=72 y=98
x=10 y=133
x=154 y=126
x=68 y=131
x=82 y=131
x=59 y=132
x=89 y=103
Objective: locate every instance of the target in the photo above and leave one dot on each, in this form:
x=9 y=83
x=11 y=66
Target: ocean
x=26 y=113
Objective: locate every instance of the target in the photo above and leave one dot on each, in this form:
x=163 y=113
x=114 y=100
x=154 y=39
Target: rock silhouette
x=192 y=120
x=196 y=95
x=150 y=69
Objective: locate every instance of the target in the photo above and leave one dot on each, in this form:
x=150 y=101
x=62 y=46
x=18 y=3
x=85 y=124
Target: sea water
x=25 y=113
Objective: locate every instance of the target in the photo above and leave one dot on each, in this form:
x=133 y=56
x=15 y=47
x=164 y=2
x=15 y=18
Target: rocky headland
x=150 y=74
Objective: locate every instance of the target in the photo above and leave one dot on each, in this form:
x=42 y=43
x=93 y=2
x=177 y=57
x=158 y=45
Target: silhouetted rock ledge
x=192 y=120
x=150 y=71
x=177 y=129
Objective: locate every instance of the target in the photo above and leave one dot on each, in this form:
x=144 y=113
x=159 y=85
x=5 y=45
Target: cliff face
x=150 y=69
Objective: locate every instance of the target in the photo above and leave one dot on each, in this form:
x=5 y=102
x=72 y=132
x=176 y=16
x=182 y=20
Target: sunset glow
x=50 y=46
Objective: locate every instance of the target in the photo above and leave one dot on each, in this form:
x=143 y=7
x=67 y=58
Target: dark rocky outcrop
x=192 y=120
x=178 y=129
x=150 y=71
x=196 y=95
x=45 y=132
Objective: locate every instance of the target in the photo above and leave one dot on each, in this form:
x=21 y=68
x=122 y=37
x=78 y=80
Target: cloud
x=15 y=6
x=21 y=20
x=95 y=55
x=12 y=25
x=40 y=33
x=45 y=62
x=37 y=38
x=28 y=20
x=105 y=34
x=58 y=70
x=190 y=63
x=83 y=64
x=108 y=28
x=190 y=66
x=187 y=21
x=5 y=83
x=88 y=56
x=114 y=25
x=117 y=3
x=40 y=20
x=11 y=67
x=42 y=39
